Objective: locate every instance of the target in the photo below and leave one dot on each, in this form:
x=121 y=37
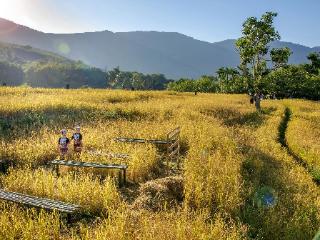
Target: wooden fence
x=172 y=143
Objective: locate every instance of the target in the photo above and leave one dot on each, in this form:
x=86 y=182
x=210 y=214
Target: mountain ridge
x=174 y=54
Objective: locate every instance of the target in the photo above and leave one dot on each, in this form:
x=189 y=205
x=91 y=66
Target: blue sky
x=208 y=20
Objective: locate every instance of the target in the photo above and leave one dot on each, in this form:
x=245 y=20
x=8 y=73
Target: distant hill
x=172 y=54
x=39 y=68
x=24 y=55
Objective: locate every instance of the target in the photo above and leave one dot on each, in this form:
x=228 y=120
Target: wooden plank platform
x=172 y=144
x=140 y=140
x=71 y=163
x=88 y=164
x=33 y=201
x=109 y=155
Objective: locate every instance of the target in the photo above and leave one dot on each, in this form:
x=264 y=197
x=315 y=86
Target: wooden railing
x=172 y=143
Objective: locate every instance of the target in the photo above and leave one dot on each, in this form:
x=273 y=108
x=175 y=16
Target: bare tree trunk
x=257 y=102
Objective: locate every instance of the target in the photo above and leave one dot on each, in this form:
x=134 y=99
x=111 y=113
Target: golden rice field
x=236 y=181
x=304 y=134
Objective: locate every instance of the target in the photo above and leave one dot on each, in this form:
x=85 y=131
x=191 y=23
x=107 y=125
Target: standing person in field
x=77 y=140
x=257 y=100
x=63 y=143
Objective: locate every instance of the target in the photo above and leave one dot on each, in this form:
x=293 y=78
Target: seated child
x=63 y=143
x=77 y=140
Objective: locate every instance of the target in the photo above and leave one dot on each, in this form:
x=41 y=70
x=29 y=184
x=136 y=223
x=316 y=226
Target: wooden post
x=124 y=177
x=173 y=147
x=119 y=179
x=57 y=170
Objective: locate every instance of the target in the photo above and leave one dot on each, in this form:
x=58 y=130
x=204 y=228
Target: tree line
x=77 y=75
x=261 y=70
x=51 y=74
x=136 y=81
x=281 y=81
x=59 y=75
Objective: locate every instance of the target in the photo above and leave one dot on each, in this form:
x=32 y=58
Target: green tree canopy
x=280 y=56
x=253 y=45
x=128 y=80
x=314 y=67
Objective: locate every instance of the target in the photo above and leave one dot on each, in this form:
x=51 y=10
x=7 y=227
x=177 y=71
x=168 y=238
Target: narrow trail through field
x=270 y=176
x=282 y=139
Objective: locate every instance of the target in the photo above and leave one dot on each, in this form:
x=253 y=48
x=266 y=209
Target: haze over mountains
x=172 y=54
x=24 y=55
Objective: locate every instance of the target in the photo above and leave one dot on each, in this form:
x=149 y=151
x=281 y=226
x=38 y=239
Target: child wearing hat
x=63 y=143
x=77 y=140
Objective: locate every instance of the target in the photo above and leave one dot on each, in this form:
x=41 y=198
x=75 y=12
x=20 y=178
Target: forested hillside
x=38 y=68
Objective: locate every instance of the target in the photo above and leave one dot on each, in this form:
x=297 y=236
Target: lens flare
x=64 y=48
x=265 y=197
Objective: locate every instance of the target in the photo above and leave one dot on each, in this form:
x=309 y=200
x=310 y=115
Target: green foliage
x=183 y=85
x=283 y=81
x=280 y=56
x=207 y=84
x=229 y=80
x=203 y=84
x=291 y=81
x=253 y=45
x=58 y=75
x=37 y=68
x=314 y=67
x=134 y=80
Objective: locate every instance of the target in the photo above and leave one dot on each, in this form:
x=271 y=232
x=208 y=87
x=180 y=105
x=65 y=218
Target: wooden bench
x=70 y=163
x=172 y=143
x=109 y=155
x=37 y=202
x=140 y=140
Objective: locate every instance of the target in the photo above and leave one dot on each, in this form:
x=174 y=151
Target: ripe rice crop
x=239 y=181
x=303 y=134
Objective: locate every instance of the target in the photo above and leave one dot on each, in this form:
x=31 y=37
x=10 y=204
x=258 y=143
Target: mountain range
x=173 y=54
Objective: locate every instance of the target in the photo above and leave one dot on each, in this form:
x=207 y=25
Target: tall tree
x=253 y=45
x=280 y=56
